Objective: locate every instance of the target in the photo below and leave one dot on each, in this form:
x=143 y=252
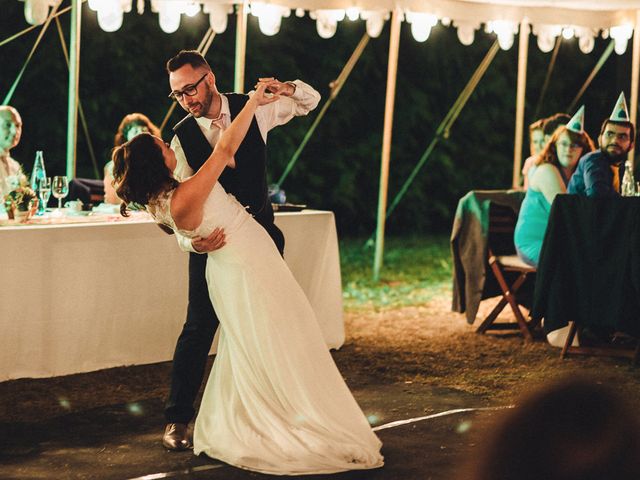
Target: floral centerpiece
x=21 y=202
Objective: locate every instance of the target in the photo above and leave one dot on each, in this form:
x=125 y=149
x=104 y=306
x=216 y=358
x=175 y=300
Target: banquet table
x=92 y=294
x=589 y=269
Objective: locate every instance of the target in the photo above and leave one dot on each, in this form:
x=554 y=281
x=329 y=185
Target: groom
x=193 y=86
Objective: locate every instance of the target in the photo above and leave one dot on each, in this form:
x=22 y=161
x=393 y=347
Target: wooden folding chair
x=601 y=350
x=505 y=264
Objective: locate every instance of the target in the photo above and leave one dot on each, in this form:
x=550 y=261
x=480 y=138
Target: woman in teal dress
x=554 y=167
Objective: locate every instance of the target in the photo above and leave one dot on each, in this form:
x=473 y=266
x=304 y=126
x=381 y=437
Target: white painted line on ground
x=186 y=471
x=397 y=423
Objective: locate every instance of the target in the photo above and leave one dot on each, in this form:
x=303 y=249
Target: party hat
x=576 y=124
x=620 y=112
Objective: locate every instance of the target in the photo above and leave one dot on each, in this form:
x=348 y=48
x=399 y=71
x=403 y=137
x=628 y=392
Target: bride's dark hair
x=140 y=172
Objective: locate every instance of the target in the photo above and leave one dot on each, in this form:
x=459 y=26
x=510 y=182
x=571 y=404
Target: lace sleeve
x=160 y=210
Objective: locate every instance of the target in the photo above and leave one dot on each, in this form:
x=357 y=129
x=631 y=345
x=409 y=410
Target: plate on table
x=287 y=207
x=106 y=208
x=76 y=213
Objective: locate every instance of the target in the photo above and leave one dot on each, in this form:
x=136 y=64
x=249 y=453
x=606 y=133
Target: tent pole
x=635 y=69
x=523 y=51
x=392 y=70
x=601 y=61
x=241 y=47
x=547 y=78
x=335 y=86
x=74 y=76
x=83 y=119
x=16 y=82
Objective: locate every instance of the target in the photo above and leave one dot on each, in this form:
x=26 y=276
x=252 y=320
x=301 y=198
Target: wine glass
x=44 y=191
x=60 y=189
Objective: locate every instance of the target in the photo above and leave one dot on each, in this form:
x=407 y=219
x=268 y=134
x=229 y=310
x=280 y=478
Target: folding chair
x=506 y=265
x=602 y=350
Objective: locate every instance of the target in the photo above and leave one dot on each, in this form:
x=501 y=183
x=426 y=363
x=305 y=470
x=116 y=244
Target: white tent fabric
x=467 y=15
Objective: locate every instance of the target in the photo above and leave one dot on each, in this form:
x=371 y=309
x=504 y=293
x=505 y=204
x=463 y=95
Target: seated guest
x=599 y=173
x=554 y=167
x=10 y=171
x=574 y=429
x=130 y=126
x=552 y=123
x=549 y=126
x=536 y=144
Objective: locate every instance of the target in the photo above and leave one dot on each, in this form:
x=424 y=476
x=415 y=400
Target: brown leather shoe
x=176 y=437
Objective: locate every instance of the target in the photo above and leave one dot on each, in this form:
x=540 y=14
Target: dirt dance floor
x=427 y=382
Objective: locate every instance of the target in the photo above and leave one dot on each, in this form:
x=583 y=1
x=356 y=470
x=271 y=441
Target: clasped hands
x=277 y=87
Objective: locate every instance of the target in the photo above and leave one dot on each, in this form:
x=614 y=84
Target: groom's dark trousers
x=248 y=183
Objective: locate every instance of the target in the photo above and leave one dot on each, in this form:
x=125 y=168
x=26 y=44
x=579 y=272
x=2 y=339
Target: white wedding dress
x=275 y=401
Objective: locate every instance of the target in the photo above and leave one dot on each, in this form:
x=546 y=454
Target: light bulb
x=192 y=9
x=36 y=11
x=567 y=33
x=466 y=34
x=374 y=23
x=218 y=17
x=169 y=20
x=110 y=17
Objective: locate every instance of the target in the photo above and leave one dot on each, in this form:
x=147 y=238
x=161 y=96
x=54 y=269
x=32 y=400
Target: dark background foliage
x=123 y=72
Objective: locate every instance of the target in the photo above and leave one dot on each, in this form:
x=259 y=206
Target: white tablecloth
x=82 y=297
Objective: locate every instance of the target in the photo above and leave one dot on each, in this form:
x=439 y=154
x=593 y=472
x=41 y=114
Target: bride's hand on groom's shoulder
x=215 y=241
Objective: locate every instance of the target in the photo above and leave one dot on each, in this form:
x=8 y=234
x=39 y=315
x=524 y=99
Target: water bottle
x=628 y=188
x=38 y=175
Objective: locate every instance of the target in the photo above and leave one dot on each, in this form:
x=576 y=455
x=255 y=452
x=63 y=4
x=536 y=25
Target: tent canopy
x=584 y=19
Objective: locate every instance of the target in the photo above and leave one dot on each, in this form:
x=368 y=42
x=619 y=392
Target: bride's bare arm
x=189 y=198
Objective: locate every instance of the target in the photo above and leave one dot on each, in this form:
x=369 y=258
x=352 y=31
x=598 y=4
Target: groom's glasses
x=189 y=90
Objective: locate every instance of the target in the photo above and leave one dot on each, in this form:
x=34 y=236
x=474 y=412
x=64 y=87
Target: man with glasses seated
x=193 y=86
x=599 y=173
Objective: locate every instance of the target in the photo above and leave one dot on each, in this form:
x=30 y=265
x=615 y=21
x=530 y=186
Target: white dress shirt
x=304 y=100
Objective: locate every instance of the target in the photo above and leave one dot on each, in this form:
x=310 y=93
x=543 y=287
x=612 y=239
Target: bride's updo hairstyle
x=140 y=172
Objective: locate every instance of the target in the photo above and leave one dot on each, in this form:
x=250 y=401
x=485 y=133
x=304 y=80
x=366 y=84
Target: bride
x=275 y=401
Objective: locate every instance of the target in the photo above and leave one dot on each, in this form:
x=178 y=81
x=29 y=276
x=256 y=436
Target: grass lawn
x=415 y=269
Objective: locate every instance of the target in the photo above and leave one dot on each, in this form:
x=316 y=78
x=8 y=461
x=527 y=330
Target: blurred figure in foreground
x=571 y=430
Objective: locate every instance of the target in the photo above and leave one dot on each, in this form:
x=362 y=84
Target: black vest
x=248 y=181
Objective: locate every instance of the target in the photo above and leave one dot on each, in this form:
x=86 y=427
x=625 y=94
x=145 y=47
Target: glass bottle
x=38 y=174
x=628 y=187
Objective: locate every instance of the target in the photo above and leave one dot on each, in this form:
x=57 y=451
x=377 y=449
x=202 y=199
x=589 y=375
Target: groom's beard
x=201 y=109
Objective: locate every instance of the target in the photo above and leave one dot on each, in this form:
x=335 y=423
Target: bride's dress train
x=275 y=401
